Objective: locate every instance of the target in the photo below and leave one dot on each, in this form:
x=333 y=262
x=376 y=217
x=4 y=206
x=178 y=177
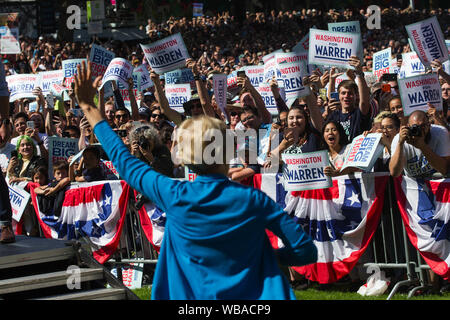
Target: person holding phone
x=214 y=247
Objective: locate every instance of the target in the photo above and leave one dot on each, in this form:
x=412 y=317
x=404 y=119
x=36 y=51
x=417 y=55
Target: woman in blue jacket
x=215 y=244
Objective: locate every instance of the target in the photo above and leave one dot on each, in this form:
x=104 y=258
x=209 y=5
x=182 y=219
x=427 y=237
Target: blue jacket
x=215 y=245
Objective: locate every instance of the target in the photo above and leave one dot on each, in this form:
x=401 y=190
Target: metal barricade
x=392 y=250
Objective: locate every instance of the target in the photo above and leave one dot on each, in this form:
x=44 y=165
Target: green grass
x=317 y=294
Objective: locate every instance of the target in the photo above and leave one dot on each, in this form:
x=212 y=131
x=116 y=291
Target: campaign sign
x=118 y=70
x=22 y=86
x=427 y=40
x=180 y=76
x=269 y=66
x=60 y=149
x=446 y=64
x=9 y=41
x=19 y=199
x=332 y=48
x=269 y=100
x=177 y=95
x=109 y=169
x=305 y=171
x=255 y=74
x=197 y=9
x=348 y=27
x=57 y=90
x=131 y=275
x=411 y=65
x=167 y=54
x=220 y=91
x=381 y=62
x=70 y=70
x=232 y=80
x=143 y=75
x=189 y=175
x=302 y=45
x=416 y=92
x=48 y=78
x=364 y=151
x=100 y=59
x=291 y=74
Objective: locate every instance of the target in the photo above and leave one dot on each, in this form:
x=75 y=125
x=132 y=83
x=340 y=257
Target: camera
x=122 y=133
x=414 y=131
x=143 y=143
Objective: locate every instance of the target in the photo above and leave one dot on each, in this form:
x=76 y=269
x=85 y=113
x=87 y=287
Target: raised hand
x=85 y=90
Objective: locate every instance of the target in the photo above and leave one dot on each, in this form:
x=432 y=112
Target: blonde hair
x=196 y=136
x=380 y=116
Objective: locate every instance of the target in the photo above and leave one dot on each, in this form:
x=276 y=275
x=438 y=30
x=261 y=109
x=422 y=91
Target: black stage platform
x=33 y=250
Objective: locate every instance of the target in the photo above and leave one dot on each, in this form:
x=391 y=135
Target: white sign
x=22 y=86
x=269 y=100
x=19 y=199
x=177 y=95
x=60 y=149
x=364 y=151
x=411 y=65
x=291 y=74
x=417 y=92
x=48 y=78
x=428 y=41
x=255 y=74
x=70 y=70
x=119 y=70
x=220 y=91
x=179 y=76
x=270 y=66
x=9 y=41
x=348 y=27
x=332 y=48
x=381 y=62
x=167 y=54
x=142 y=76
x=100 y=59
x=305 y=171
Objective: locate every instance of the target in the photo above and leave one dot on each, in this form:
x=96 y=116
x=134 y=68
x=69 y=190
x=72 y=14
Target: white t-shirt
x=338 y=161
x=416 y=164
x=5 y=155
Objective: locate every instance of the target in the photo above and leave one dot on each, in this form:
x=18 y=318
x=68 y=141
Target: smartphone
x=241 y=74
x=55 y=113
x=334 y=95
x=386 y=87
x=14 y=153
x=389 y=77
x=50 y=101
x=30 y=124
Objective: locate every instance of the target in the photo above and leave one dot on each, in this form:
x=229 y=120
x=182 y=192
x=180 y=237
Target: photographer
x=420 y=148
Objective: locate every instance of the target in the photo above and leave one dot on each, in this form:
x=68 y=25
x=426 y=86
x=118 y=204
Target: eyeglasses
x=248 y=118
x=140 y=129
x=156 y=115
x=387 y=128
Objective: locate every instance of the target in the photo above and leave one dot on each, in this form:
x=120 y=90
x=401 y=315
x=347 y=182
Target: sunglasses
x=123 y=116
x=156 y=115
x=141 y=129
x=248 y=118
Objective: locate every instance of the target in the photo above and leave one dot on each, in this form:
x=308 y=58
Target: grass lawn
x=331 y=294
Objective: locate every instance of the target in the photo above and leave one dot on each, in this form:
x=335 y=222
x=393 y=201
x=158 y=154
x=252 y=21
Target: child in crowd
x=60 y=181
x=52 y=195
x=40 y=175
x=89 y=168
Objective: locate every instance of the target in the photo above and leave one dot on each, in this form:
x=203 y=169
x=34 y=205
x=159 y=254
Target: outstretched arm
x=136 y=173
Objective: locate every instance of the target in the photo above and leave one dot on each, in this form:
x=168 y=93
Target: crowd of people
x=220 y=44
